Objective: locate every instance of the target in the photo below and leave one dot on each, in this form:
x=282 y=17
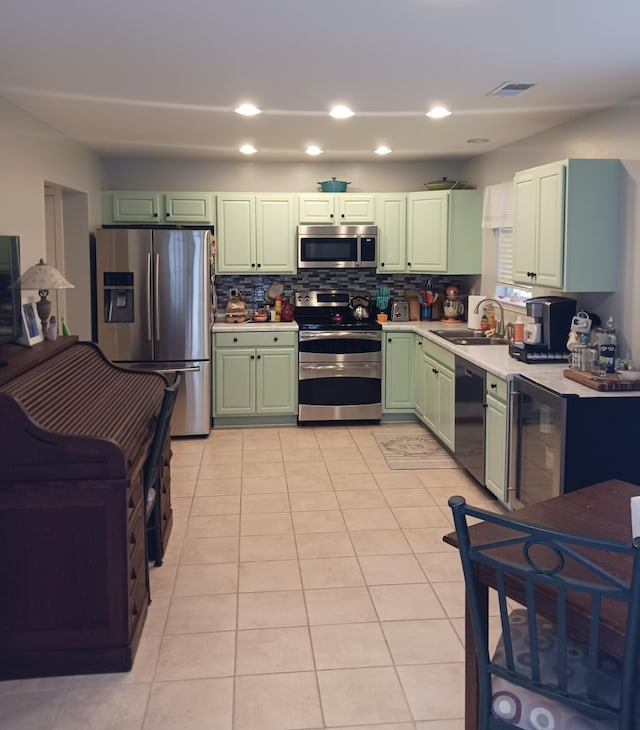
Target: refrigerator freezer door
x=123 y=291
x=192 y=411
x=181 y=327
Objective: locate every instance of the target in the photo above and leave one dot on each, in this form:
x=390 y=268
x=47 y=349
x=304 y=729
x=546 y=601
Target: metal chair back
x=551 y=571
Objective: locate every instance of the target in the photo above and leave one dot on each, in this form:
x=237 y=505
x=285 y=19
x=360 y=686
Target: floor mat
x=402 y=451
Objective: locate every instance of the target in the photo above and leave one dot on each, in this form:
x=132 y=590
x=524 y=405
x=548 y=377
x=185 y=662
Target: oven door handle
x=340 y=335
x=309 y=371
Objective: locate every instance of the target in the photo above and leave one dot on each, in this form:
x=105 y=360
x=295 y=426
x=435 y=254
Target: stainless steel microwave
x=337 y=247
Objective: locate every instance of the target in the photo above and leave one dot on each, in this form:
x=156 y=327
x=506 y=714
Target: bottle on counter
x=484 y=320
x=607 y=344
x=278 y=306
x=65 y=329
x=52 y=329
x=492 y=319
x=518 y=330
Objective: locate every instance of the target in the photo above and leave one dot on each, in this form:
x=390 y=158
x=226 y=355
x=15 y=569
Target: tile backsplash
x=366 y=282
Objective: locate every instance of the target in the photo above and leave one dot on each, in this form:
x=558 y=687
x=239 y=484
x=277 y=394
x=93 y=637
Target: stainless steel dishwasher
x=470 y=417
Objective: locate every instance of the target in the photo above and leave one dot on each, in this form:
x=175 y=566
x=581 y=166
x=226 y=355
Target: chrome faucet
x=500 y=324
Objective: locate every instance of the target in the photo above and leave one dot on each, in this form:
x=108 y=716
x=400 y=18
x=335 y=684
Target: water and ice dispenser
x=118 y=296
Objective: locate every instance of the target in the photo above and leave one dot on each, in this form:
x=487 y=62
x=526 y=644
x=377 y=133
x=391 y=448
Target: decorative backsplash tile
x=361 y=282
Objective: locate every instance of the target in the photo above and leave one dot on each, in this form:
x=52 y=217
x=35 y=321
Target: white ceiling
x=142 y=78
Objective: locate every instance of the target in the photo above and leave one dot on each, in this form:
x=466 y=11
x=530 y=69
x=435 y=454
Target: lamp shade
x=43 y=277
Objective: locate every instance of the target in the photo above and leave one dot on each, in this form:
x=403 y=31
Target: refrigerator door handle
x=149 y=296
x=157 y=293
x=195 y=369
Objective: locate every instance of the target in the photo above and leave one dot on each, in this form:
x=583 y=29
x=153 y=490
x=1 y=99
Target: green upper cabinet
x=391 y=218
x=189 y=208
x=132 y=206
x=444 y=232
x=338 y=208
x=256 y=234
x=567 y=225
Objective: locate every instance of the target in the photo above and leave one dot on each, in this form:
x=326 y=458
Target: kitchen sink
x=469 y=337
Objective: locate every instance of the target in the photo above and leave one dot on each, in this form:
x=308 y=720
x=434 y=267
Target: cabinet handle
x=381 y=264
x=330 y=215
x=434 y=371
x=253 y=266
x=259 y=265
x=155 y=215
x=168 y=215
x=493 y=386
x=419 y=343
x=275 y=339
x=235 y=339
x=259 y=356
x=253 y=357
x=389 y=340
x=408 y=263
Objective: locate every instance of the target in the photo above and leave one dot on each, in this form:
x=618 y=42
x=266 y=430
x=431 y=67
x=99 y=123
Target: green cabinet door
x=391 y=218
x=236 y=234
x=399 y=363
x=235 y=375
x=135 y=207
x=496 y=441
x=276 y=221
x=191 y=208
x=446 y=406
x=430 y=395
x=418 y=381
x=427 y=232
x=276 y=380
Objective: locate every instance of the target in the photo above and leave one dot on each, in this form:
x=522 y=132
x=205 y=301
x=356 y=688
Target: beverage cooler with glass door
x=563 y=442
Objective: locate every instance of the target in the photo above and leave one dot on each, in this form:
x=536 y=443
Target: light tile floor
x=305 y=586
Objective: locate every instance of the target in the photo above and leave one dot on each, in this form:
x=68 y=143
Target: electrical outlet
x=234 y=293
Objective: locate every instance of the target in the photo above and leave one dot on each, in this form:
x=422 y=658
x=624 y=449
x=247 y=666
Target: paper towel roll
x=635 y=516
x=474 y=319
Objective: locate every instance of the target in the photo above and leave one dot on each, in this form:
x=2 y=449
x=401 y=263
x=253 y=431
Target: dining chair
x=548 y=669
x=151 y=473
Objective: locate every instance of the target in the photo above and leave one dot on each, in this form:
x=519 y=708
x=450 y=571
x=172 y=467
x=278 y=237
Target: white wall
x=249 y=176
x=31 y=153
x=608 y=134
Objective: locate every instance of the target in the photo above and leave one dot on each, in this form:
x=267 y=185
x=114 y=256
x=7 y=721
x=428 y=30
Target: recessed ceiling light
x=478 y=140
x=341 y=112
x=248 y=149
x=438 y=112
x=313 y=149
x=382 y=150
x=248 y=110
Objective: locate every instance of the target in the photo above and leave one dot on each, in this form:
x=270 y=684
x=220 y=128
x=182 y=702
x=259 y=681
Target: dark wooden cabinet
x=74 y=434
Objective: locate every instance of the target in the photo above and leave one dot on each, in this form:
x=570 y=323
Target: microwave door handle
x=514 y=445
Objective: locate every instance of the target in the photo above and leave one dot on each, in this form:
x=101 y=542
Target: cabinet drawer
x=444 y=357
x=256 y=339
x=496 y=387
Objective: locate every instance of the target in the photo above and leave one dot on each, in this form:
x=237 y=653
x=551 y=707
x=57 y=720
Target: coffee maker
x=554 y=314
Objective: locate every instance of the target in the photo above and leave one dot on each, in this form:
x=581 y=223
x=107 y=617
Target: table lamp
x=43 y=278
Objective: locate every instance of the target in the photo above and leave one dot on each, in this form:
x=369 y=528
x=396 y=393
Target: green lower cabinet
x=255 y=381
x=418 y=381
x=496 y=438
x=399 y=365
x=435 y=391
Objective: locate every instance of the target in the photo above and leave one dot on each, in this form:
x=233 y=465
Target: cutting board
x=601 y=382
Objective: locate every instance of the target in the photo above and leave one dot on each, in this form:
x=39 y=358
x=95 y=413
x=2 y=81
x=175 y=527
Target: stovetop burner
x=328 y=310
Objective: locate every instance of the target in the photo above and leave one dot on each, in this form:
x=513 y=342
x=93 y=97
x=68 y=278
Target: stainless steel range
x=340 y=360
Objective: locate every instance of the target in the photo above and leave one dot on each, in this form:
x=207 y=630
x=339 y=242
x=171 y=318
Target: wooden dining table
x=601 y=510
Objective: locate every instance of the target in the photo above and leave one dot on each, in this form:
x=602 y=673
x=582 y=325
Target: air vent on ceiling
x=511 y=88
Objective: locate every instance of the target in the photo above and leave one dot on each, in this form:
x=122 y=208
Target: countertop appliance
x=560 y=443
x=152 y=296
x=400 y=311
x=555 y=315
x=337 y=247
x=339 y=360
x=470 y=417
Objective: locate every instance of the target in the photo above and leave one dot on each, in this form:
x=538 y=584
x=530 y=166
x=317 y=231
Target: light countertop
x=495 y=359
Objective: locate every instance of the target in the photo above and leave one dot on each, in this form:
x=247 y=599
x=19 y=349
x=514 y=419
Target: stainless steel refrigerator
x=153 y=297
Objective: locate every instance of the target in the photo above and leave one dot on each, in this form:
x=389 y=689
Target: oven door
x=340 y=346
x=340 y=391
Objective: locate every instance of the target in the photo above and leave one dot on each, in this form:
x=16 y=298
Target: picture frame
x=31 y=327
